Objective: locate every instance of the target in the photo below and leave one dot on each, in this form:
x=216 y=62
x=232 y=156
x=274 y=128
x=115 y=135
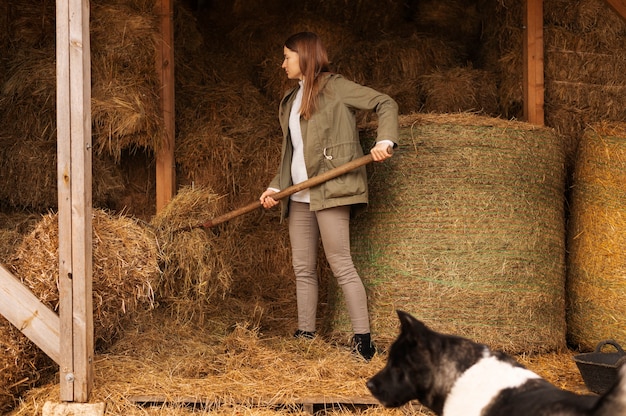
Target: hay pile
x=465 y=229
x=22 y=364
x=125 y=270
x=228 y=369
x=596 y=283
x=192 y=259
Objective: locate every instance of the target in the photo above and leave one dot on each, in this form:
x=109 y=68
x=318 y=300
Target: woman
x=319 y=133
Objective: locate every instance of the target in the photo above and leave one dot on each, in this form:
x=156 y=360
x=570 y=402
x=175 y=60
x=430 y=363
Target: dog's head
x=422 y=365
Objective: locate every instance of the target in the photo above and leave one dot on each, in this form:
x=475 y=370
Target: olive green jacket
x=331 y=139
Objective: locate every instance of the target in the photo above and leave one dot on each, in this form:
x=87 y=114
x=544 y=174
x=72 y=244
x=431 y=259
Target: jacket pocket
x=350 y=183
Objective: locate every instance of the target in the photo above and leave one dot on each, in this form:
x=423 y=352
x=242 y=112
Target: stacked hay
x=465 y=230
x=596 y=284
x=125 y=88
x=585 y=67
x=125 y=99
x=125 y=270
x=461 y=89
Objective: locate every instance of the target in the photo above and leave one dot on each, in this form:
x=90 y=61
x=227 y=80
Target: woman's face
x=291 y=64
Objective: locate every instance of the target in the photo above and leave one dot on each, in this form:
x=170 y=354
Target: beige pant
x=333 y=225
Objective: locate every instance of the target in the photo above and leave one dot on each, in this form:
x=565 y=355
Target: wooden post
x=619 y=6
x=533 y=63
x=165 y=161
x=75 y=211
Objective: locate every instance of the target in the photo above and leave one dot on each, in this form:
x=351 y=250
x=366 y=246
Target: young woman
x=319 y=133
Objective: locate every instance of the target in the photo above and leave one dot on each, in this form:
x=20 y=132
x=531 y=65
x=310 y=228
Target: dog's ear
x=409 y=324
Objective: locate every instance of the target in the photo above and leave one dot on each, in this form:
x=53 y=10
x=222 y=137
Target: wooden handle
x=316 y=180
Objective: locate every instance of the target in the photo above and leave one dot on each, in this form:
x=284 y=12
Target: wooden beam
x=74 y=169
x=24 y=310
x=165 y=161
x=310 y=405
x=533 y=63
x=619 y=6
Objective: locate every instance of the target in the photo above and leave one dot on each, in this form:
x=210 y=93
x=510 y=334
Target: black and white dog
x=454 y=376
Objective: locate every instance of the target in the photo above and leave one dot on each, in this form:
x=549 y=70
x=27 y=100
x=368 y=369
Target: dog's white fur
x=482 y=382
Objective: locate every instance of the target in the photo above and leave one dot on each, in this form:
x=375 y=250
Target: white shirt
x=298 y=166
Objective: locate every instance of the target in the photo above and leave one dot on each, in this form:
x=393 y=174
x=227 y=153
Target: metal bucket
x=599 y=369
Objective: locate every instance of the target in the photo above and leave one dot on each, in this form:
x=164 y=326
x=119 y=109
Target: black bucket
x=599 y=369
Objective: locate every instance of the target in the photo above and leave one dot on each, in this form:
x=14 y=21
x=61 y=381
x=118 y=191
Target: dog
x=454 y=376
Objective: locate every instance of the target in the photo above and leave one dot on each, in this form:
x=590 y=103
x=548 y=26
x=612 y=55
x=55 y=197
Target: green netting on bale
x=465 y=230
x=596 y=280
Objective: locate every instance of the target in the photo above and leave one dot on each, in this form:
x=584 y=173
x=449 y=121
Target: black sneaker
x=362 y=345
x=304 y=334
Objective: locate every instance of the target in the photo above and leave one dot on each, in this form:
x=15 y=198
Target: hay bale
x=29 y=24
x=125 y=269
x=390 y=60
x=460 y=89
x=28 y=172
x=192 y=260
x=226 y=131
x=456 y=20
x=465 y=229
x=596 y=238
x=126 y=110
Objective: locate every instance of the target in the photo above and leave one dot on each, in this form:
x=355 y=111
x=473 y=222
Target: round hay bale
x=125 y=269
x=596 y=284
x=191 y=258
x=465 y=229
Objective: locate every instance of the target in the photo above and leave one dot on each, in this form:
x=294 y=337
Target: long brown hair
x=313 y=61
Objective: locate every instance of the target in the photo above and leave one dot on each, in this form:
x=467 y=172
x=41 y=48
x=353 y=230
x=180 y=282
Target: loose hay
x=192 y=259
x=237 y=369
x=22 y=365
x=596 y=282
x=125 y=269
x=465 y=229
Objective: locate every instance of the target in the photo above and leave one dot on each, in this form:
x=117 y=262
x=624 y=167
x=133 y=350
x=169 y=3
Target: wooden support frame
x=74 y=160
x=534 y=88
x=165 y=160
x=24 y=310
x=68 y=338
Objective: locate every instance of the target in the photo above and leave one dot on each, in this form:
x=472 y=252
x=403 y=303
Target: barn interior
x=481 y=224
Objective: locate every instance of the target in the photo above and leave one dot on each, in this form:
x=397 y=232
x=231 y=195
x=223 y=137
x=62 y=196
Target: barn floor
x=163 y=365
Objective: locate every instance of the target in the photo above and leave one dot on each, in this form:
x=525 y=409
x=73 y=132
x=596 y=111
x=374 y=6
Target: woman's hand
x=266 y=199
x=381 y=151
